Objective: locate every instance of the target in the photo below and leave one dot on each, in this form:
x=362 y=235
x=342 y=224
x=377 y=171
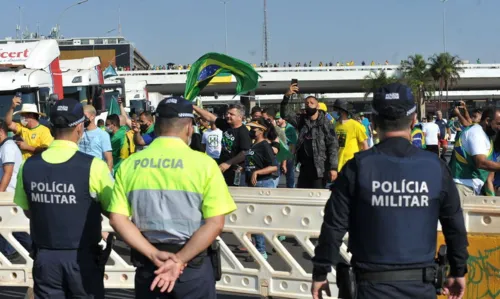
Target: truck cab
x=32 y=68
x=138 y=98
x=82 y=80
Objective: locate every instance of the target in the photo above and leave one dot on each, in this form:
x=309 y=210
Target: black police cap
x=174 y=107
x=66 y=113
x=393 y=101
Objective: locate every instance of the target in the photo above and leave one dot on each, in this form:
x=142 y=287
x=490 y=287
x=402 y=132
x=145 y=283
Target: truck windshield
x=108 y=96
x=6 y=101
x=137 y=106
x=79 y=93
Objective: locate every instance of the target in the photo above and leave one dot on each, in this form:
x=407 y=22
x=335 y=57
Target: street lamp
x=225 y=18
x=444 y=25
x=62 y=13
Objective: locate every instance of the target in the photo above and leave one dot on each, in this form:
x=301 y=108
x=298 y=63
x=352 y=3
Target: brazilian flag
x=211 y=65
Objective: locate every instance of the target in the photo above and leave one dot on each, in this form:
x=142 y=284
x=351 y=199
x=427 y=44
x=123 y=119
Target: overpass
x=477 y=81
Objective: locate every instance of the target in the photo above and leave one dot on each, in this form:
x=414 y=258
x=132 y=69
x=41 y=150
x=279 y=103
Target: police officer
x=63 y=192
x=390 y=198
x=178 y=199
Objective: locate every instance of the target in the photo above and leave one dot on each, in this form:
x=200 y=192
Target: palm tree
x=417 y=75
x=445 y=69
x=375 y=80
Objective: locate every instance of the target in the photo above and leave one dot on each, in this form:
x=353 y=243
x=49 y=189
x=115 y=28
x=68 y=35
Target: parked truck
x=33 y=69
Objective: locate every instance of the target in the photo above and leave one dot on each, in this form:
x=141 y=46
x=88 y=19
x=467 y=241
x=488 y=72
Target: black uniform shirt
x=336 y=219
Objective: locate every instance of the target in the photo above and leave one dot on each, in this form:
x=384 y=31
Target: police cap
x=393 y=101
x=66 y=113
x=174 y=107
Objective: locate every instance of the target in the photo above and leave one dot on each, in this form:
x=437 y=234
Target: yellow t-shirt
x=39 y=136
x=350 y=134
x=60 y=151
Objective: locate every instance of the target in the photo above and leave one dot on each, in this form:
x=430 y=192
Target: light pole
x=444 y=25
x=225 y=18
x=62 y=13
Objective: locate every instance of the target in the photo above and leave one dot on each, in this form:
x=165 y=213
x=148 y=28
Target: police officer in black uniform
x=389 y=199
x=62 y=191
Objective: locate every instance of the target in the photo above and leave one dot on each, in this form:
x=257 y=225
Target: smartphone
x=295 y=81
x=457 y=104
x=17 y=138
x=19 y=94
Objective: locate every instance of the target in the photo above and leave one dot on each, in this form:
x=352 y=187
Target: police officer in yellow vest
x=63 y=192
x=178 y=200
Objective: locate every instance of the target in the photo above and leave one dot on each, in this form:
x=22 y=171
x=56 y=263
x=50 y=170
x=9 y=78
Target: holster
x=346 y=281
x=214 y=253
x=442 y=268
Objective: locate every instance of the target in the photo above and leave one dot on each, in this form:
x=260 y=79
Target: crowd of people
x=255 y=150
x=172 y=66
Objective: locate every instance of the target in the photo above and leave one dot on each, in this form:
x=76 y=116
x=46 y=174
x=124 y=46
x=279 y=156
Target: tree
x=417 y=75
x=445 y=69
x=376 y=80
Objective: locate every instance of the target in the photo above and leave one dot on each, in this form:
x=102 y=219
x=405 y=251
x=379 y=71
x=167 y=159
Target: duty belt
x=422 y=274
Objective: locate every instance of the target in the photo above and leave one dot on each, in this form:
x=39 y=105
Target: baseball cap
x=66 y=113
x=174 y=107
x=393 y=101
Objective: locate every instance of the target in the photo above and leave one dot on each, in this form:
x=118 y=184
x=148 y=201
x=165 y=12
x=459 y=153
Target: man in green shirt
x=291 y=140
x=119 y=145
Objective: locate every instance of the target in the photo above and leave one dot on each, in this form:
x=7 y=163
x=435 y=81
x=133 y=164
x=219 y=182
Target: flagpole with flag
x=211 y=65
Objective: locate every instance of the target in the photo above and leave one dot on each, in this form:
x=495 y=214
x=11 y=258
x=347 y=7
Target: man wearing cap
x=31 y=136
x=389 y=199
x=63 y=191
x=177 y=199
x=351 y=134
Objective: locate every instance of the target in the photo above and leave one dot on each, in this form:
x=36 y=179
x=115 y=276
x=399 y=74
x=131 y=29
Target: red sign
x=19 y=54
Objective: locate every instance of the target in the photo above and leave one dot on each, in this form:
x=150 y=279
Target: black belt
x=424 y=275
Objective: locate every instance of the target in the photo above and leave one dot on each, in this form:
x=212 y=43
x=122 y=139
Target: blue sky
x=300 y=30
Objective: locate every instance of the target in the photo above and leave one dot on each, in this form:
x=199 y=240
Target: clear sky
x=180 y=31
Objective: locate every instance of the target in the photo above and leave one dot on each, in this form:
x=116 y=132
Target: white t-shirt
x=431 y=131
x=474 y=142
x=213 y=142
x=10 y=154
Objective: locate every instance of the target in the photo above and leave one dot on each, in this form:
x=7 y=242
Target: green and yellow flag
x=211 y=65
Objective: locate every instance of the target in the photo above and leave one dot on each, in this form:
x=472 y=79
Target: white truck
x=82 y=79
x=33 y=69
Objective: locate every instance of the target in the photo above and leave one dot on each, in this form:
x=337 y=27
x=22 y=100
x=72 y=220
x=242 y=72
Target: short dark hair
x=3 y=126
x=489 y=113
x=389 y=125
x=255 y=109
x=114 y=119
x=169 y=125
x=270 y=112
x=477 y=110
x=100 y=121
x=148 y=115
